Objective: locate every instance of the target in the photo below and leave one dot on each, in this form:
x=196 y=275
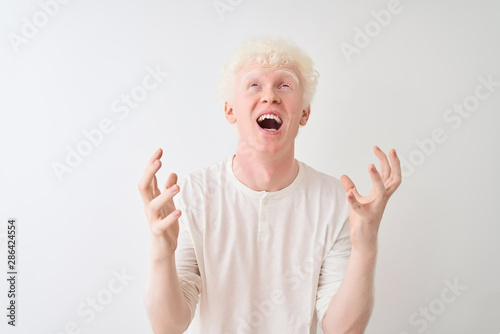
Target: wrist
x=161 y=250
x=366 y=252
x=157 y=259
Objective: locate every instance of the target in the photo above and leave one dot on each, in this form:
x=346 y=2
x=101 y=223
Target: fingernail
x=177 y=213
x=174 y=189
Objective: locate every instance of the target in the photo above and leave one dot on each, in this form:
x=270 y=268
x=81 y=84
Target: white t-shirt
x=260 y=262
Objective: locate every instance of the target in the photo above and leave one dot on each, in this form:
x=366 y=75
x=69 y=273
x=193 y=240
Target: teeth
x=270 y=116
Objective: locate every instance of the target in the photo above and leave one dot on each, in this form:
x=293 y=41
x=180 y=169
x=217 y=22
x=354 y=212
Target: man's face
x=267 y=107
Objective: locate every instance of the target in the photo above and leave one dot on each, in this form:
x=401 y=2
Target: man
x=266 y=244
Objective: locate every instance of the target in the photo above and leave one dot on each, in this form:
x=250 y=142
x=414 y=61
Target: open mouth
x=270 y=122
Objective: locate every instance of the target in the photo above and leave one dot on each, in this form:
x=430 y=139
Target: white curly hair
x=272 y=52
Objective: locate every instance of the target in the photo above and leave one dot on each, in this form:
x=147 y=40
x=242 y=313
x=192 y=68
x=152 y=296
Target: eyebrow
x=290 y=73
x=285 y=72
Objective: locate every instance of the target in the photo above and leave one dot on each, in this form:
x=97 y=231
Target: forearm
x=166 y=305
x=350 y=308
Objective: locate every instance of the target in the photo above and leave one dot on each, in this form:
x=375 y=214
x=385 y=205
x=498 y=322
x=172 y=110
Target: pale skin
x=264 y=161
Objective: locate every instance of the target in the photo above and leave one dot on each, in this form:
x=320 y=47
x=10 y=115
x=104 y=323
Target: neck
x=265 y=171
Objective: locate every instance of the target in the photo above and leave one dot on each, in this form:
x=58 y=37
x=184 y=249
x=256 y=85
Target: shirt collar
x=265 y=194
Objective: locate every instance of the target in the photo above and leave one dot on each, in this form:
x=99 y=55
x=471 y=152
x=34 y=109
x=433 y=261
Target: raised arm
x=351 y=307
x=166 y=305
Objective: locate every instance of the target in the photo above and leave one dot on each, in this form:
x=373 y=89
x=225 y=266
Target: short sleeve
x=187 y=267
x=333 y=270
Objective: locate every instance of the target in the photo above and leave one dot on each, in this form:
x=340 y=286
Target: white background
x=442 y=223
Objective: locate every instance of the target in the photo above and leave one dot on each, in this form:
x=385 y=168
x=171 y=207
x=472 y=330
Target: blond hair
x=272 y=52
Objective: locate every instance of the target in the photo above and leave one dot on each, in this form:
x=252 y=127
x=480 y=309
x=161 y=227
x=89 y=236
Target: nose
x=270 y=96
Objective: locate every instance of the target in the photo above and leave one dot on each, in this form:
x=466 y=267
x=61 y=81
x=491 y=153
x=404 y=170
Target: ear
x=305 y=115
x=228 y=111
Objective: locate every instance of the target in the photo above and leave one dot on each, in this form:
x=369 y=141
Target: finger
x=172 y=179
x=161 y=201
x=353 y=202
x=148 y=186
x=378 y=184
x=166 y=222
x=385 y=167
x=349 y=185
x=395 y=179
x=156 y=156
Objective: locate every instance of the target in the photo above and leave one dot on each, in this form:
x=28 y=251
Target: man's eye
x=254 y=85
x=285 y=85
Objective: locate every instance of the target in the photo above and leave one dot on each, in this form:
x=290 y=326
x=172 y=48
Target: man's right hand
x=160 y=209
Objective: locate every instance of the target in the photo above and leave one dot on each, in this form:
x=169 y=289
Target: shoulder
x=204 y=181
x=199 y=190
x=204 y=174
x=326 y=197
x=316 y=179
x=323 y=191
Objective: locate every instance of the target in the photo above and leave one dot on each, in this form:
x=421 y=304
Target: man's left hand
x=366 y=212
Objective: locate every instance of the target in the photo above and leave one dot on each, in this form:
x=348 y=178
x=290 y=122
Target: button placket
x=264 y=216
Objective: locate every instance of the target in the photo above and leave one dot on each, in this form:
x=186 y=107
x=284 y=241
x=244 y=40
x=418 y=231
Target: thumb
x=353 y=202
x=349 y=185
x=346 y=182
